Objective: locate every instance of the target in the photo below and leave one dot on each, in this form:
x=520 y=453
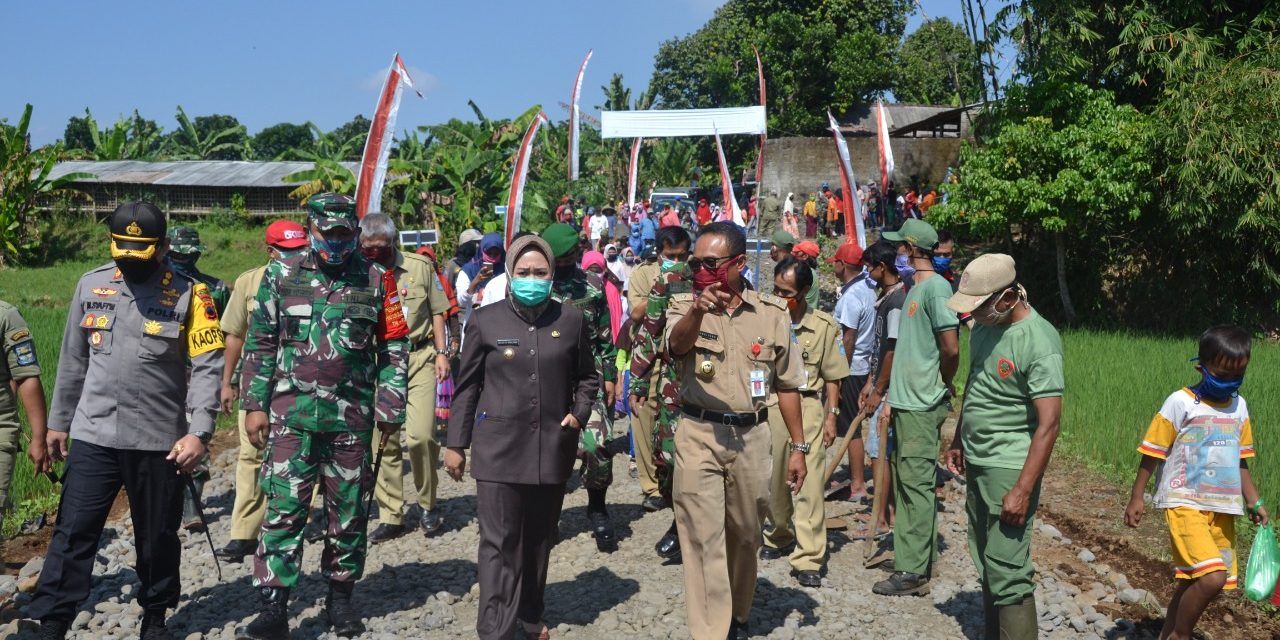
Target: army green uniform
x=653 y=377
x=19 y=363
x=818 y=336
x=326 y=356
x=585 y=292
x=423 y=298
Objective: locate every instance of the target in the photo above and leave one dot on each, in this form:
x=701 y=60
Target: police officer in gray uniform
x=122 y=392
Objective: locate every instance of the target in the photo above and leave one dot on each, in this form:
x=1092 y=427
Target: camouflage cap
x=185 y=240
x=329 y=210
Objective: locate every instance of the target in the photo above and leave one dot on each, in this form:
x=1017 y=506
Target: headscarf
x=619 y=266
x=489 y=241
x=788 y=206
x=520 y=246
x=611 y=291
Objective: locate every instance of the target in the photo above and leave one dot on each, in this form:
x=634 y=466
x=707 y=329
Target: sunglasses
x=710 y=264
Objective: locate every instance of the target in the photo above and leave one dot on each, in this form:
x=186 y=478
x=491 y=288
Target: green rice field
x=1115 y=381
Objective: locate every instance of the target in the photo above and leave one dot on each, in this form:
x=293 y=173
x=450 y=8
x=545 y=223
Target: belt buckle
x=730 y=420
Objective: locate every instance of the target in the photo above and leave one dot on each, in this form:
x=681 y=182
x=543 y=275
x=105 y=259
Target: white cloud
x=423 y=80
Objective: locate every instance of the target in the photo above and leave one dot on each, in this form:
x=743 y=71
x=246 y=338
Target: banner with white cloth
x=673 y=123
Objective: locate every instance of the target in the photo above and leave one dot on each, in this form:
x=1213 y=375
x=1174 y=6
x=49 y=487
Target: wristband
x=1256 y=506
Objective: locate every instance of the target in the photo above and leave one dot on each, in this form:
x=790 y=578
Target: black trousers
x=850 y=389
x=94 y=475
x=518 y=525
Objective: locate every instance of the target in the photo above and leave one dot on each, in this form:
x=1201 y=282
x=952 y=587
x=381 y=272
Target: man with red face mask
x=733 y=353
x=425 y=307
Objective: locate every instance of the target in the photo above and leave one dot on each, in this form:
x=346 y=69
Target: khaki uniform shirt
x=421 y=296
x=751 y=353
x=244 y=293
x=19 y=362
x=641 y=283
x=123 y=371
x=818 y=338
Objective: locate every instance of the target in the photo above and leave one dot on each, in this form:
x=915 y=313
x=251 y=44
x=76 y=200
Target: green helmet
x=185 y=240
x=329 y=210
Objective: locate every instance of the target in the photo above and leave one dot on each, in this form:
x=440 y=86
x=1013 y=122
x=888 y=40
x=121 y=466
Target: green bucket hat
x=185 y=240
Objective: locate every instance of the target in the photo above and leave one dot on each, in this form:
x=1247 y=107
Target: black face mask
x=137 y=271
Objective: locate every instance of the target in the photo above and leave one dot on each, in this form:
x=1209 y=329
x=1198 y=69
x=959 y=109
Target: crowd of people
x=604 y=335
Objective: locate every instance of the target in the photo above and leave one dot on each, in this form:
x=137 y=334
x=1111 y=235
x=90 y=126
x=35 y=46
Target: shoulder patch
x=682 y=297
x=19 y=335
x=770 y=299
x=823 y=316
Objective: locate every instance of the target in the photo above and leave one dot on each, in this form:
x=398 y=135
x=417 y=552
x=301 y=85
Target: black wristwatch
x=204 y=436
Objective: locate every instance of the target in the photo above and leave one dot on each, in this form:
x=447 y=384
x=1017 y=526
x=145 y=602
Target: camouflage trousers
x=664 y=437
x=597 y=464
x=295 y=461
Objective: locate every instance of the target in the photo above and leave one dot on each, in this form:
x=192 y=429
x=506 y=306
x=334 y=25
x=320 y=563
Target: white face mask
x=988 y=315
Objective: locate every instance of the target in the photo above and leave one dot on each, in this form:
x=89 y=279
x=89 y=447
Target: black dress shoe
x=430 y=522
x=773 y=553
x=236 y=550
x=809 y=578
x=602 y=529
x=654 y=503
x=738 y=631
x=385 y=532
x=669 y=546
x=54 y=629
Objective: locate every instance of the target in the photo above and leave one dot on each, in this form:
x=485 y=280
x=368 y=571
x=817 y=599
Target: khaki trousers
x=250 y=505
x=721 y=492
x=419 y=434
x=642 y=435
x=809 y=531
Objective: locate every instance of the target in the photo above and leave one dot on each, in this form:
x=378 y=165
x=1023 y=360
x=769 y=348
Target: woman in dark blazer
x=525 y=387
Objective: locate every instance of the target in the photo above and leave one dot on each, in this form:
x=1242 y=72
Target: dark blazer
x=516 y=384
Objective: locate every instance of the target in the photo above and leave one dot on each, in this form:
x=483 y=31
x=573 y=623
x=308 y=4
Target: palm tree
x=187 y=144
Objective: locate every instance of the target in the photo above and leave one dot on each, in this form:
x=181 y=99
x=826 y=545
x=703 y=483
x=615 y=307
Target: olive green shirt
x=915 y=384
x=19 y=361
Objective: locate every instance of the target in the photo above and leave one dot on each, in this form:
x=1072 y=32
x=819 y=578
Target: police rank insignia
x=151 y=327
x=104 y=292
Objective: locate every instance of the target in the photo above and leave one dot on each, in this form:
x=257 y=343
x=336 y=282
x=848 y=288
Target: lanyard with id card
x=759 y=388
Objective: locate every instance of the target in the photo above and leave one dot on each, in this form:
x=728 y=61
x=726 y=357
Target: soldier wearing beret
x=137 y=387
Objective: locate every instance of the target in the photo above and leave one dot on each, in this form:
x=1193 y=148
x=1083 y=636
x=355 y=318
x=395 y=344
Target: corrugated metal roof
x=861 y=118
x=188 y=173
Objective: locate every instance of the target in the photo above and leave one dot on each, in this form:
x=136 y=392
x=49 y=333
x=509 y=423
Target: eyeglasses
x=710 y=264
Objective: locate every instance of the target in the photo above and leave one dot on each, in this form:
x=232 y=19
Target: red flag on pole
x=886 y=152
x=763 y=136
x=726 y=188
x=632 y=171
x=574 y=116
x=854 y=229
x=515 y=200
x=373 y=162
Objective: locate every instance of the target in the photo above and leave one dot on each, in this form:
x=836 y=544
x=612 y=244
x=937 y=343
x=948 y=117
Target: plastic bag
x=1264 y=566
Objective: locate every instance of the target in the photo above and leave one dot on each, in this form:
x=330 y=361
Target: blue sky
x=323 y=60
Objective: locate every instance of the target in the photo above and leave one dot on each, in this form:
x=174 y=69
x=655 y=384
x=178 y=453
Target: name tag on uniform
x=508 y=342
x=758 y=387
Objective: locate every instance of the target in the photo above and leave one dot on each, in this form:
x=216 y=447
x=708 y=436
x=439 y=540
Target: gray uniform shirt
x=123 y=371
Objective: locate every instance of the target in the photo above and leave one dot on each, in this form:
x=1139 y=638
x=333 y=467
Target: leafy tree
x=936 y=65
x=193 y=142
x=76 y=135
x=283 y=141
x=352 y=135
x=817 y=54
x=1067 y=163
x=24 y=178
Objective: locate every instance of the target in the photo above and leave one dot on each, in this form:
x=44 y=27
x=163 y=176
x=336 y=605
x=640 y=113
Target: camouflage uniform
x=648 y=351
x=185 y=249
x=326 y=356
x=585 y=292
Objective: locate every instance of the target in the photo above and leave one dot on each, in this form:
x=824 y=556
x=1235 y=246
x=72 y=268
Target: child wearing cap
x=1200 y=442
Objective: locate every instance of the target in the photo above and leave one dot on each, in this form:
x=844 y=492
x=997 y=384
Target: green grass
x=42 y=295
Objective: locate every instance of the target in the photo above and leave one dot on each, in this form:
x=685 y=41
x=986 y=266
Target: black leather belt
x=727 y=419
x=809 y=392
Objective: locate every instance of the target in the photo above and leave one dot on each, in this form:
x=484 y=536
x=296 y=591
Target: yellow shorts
x=1202 y=543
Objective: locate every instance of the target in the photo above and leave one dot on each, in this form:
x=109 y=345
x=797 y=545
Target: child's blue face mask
x=1217 y=389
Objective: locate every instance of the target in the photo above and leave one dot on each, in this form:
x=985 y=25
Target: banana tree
x=187 y=144
x=24 y=178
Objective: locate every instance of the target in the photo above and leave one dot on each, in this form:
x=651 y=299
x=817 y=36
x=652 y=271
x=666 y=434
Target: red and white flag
x=373 y=163
x=574 y=116
x=515 y=200
x=730 y=202
x=886 y=152
x=763 y=136
x=632 y=172
x=854 y=230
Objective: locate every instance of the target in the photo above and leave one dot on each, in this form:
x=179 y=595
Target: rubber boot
x=272 y=622
x=342 y=616
x=990 y=616
x=1018 y=621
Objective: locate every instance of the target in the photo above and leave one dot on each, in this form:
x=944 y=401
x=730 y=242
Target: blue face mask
x=530 y=292
x=333 y=253
x=1217 y=389
x=668 y=265
x=941 y=265
x=905 y=270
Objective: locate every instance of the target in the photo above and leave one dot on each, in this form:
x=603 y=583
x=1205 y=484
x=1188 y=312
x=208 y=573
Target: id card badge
x=758 y=386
